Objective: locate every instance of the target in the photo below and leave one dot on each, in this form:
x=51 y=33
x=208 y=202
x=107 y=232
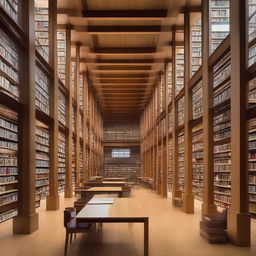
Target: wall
x=122 y=167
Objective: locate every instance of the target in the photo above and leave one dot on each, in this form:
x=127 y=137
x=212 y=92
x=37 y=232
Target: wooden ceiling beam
x=118 y=67
x=124 y=71
x=123 y=50
x=143 y=62
x=121 y=84
x=122 y=76
x=106 y=94
x=101 y=30
x=125 y=14
x=128 y=80
x=119 y=104
x=124 y=90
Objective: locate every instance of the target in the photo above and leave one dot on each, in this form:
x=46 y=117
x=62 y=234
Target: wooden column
x=208 y=206
x=175 y=191
x=85 y=171
x=68 y=185
x=238 y=216
x=165 y=137
x=27 y=220
x=52 y=200
x=89 y=131
x=188 y=197
x=77 y=117
x=166 y=163
x=154 y=140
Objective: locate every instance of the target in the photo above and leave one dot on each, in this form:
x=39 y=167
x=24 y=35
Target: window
x=121 y=153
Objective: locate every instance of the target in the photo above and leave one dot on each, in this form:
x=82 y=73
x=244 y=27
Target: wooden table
x=114 y=179
x=105 y=183
x=90 y=192
x=122 y=210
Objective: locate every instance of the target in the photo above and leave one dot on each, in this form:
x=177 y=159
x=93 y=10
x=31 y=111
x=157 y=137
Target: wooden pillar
x=68 y=149
x=208 y=206
x=27 y=220
x=85 y=171
x=238 y=216
x=175 y=191
x=165 y=179
x=77 y=113
x=188 y=197
x=89 y=132
x=52 y=200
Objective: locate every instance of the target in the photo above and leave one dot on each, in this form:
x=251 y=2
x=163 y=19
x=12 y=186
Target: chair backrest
x=69 y=214
x=223 y=215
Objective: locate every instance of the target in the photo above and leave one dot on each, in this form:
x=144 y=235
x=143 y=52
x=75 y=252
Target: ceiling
x=124 y=46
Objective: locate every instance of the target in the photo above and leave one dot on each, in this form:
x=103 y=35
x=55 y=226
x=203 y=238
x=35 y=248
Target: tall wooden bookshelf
x=42 y=162
x=8 y=164
x=35 y=110
x=9 y=117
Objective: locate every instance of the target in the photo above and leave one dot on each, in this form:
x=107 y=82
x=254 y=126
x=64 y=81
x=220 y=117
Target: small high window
x=121 y=153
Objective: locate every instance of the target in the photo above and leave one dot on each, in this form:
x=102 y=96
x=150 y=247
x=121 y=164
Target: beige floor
x=172 y=233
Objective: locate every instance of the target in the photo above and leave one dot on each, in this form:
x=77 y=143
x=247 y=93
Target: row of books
x=42 y=25
x=42 y=162
x=197 y=100
x=181 y=163
x=62 y=108
x=7 y=199
x=220 y=18
x=196 y=46
x=197 y=162
x=179 y=69
x=42 y=90
x=11 y=8
x=252 y=165
x=62 y=161
x=180 y=111
x=9 y=88
x=8 y=163
x=8 y=215
x=170 y=173
x=61 y=52
x=9 y=51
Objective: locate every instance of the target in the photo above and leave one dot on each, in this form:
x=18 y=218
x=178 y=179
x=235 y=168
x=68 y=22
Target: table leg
x=146 y=249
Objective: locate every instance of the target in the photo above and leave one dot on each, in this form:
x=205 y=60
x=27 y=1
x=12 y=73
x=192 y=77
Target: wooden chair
x=73 y=227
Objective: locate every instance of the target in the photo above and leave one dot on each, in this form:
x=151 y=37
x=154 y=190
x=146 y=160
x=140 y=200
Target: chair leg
x=66 y=243
x=71 y=237
x=75 y=235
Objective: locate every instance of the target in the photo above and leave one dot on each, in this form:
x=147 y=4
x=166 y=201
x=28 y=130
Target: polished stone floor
x=172 y=233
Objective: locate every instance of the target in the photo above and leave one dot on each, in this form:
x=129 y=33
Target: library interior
x=127 y=127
